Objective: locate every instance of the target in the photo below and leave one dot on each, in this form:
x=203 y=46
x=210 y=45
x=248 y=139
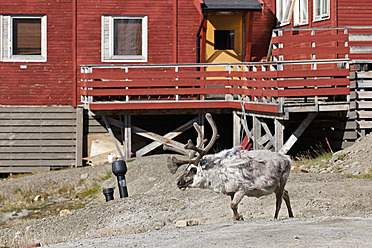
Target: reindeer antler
x=173 y=163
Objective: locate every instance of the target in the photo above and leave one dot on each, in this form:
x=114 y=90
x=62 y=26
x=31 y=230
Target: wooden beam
x=127 y=136
x=269 y=135
x=169 y=135
x=157 y=137
x=112 y=136
x=79 y=137
x=279 y=135
x=256 y=132
x=236 y=129
x=297 y=133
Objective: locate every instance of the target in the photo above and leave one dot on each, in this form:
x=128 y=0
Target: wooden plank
x=279 y=135
x=36 y=109
x=314 y=82
x=36 y=142
x=236 y=129
x=38 y=162
x=360 y=37
x=297 y=133
x=256 y=132
x=113 y=136
x=361 y=114
x=32 y=129
x=364 y=74
x=364 y=94
x=313 y=92
x=79 y=137
x=40 y=156
x=360 y=49
x=37 y=122
x=22 y=169
x=183 y=104
x=364 y=104
x=364 y=84
x=33 y=149
x=36 y=136
x=364 y=124
x=300 y=39
x=156 y=137
x=171 y=135
x=313 y=73
x=40 y=116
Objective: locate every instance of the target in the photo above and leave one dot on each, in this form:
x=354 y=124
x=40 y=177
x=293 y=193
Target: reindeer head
x=193 y=154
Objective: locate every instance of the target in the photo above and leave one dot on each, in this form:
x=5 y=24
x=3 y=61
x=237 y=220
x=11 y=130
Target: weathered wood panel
x=38 y=138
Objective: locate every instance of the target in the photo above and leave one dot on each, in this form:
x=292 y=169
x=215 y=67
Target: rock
x=64 y=212
x=184 y=223
x=84 y=176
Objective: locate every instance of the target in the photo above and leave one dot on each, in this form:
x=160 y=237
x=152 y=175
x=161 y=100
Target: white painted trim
x=321 y=17
x=107 y=40
x=7 y=41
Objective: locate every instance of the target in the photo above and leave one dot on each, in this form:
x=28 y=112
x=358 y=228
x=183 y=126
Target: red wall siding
x=160 y=27
x=188 y=24
x=263 y=23
x=42 y=83
x=354 y=13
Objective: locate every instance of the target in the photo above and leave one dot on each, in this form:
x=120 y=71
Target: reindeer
x=232 y=172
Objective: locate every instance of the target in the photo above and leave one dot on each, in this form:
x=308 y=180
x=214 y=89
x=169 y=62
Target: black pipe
x=109 y=194
x=119 y=168
x=198 y=36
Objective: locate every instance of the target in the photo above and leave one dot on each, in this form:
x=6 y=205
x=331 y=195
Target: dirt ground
x=331 y=210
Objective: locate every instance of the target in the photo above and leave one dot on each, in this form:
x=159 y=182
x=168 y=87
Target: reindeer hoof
x=238 y=218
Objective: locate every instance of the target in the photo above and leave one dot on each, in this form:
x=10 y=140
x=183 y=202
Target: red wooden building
x=272 y=72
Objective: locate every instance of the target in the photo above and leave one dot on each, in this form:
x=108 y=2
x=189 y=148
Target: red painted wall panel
x=41 y=83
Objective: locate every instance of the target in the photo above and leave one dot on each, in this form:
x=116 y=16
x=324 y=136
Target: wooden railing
x=354 y=43
x=257 y=86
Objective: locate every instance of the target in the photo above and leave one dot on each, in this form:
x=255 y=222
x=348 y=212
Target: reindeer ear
x=172 y=165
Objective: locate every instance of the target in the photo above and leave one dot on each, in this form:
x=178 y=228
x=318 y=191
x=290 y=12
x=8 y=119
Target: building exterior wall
x=41 y=83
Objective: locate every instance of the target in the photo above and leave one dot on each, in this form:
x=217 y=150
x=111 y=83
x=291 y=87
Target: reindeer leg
x=279 y=195
x=288 y=203
x=235 y=199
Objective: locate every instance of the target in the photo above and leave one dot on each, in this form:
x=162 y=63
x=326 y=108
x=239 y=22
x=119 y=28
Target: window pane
x=127 y=37
x=224 y=39
x=26 y=36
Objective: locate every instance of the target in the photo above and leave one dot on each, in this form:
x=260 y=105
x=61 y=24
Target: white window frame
x=107 y=41
x=6 y=52
x=283 y=11
x=324 y=6
x=300 y=13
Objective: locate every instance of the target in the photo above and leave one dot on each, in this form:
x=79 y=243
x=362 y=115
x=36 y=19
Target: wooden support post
x=256 y=132
x=279 y=135
x=269 y=136
x=297 y=133
x=201 y=124
x=127 y=136
x=236 y=129
x=79 y=136
x=112 y=136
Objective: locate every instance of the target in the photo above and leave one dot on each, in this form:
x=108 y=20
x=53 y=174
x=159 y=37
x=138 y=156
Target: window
x=124 y=38
x=23 y=38
x=321 y=10
x=300 y=13
x=223 y=39
x=283 y=11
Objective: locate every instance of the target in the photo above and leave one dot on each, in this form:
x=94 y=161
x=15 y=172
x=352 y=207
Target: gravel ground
x=330 y=210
